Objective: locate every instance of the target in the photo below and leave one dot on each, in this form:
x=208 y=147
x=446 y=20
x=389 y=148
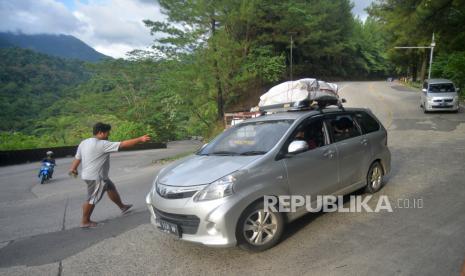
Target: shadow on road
x=299 y=224
x=56 y=246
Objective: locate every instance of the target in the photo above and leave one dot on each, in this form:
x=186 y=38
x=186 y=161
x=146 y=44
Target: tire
x=270 y=229
x=43 y=178
x=424 y=108
x=374 y=178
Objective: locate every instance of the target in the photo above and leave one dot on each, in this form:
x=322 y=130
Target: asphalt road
x=39 y=234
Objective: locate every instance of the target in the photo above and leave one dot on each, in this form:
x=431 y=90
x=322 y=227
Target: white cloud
x=37 y=16
x=112 y=27
x=115 y=26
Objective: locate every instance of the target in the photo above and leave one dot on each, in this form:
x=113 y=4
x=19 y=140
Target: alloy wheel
x=376 y=177
x=260 y=227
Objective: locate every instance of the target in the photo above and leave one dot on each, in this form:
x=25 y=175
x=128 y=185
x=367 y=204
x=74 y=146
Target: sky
x=112 y=27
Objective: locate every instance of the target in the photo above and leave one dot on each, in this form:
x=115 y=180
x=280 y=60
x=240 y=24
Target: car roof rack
x=316 y=104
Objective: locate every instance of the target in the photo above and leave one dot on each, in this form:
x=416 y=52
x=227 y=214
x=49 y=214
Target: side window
x=342 y=127
x=366 y=122
x=311 y=131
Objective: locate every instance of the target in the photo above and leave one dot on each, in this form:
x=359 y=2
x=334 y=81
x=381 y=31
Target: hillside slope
x=31 y=82
x=64 y=46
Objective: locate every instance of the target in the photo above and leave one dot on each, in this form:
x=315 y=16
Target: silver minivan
x=439 y=95
x=215 y=197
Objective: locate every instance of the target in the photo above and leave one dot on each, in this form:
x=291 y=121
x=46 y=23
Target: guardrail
x=12 y=157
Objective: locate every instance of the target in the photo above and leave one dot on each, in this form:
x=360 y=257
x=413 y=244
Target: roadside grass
x=413 y=84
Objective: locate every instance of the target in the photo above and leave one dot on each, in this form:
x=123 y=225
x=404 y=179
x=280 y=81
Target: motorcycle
x=45 y=172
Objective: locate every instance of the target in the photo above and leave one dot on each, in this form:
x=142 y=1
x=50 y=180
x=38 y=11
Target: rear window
x=342 y=127
x=367 y=122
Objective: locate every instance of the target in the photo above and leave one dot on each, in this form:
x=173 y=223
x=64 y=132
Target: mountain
x=64 y=46
x=31 y=82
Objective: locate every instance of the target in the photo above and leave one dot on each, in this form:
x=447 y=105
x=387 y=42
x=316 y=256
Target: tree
x=216 y=35
x=412 y=22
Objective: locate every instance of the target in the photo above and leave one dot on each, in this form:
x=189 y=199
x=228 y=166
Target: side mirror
x=297 y=146
x=457 y=89
x=424 y=90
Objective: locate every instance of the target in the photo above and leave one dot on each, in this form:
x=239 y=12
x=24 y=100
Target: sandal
x=125 y=210
x=91 y=224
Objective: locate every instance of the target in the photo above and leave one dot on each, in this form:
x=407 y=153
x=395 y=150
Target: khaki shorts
x=96 y=189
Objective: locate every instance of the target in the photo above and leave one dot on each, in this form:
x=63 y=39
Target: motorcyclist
x=49 y=159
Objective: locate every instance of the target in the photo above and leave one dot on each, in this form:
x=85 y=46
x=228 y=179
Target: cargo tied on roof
x=295 y=95
x=298 y=94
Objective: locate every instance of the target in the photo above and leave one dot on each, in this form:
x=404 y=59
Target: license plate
x=168 y=227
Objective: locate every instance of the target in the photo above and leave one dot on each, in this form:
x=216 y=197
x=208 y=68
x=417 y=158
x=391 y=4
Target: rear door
x=373 y=131
x=353 y=149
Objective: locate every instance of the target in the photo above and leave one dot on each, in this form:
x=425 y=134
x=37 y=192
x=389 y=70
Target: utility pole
x=431 y=56
x=291 y=58
x=431 y=46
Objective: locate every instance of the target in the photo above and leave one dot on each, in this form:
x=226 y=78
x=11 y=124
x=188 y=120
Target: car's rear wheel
x=374 y=178
x=259 y=229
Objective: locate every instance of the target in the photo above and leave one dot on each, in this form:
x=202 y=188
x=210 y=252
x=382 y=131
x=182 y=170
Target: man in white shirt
x=94 y=155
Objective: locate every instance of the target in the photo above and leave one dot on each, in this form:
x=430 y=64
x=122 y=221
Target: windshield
x=248 y=139
x=441 y=88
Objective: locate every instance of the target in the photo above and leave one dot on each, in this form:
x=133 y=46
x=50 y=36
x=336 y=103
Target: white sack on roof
x=330 y=87
x=299 y=90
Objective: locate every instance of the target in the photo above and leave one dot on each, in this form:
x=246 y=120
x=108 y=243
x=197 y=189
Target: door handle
x=329 y=154
x=364 y=142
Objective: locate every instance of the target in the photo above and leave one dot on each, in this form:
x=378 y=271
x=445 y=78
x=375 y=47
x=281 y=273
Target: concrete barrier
x=11 y=157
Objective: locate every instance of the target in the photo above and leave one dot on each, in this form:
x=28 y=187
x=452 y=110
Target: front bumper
x=441 y=106
x=212 y=223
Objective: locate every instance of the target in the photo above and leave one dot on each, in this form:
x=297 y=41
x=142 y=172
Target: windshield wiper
x=223 y=153
x=253 y=152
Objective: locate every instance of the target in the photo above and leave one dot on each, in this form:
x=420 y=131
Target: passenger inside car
x=312 y=134
x=343 y=128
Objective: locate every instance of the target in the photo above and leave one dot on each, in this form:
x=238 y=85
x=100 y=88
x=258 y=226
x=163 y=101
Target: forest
x=211 y=57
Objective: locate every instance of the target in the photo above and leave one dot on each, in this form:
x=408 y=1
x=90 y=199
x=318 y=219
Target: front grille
x=173 y=192
x=178 y=195
x=448 y=100
x=188 y=223
x=437 y=101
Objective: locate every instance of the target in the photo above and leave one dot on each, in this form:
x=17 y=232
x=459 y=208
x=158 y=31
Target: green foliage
x=211 y=56
x=18 y=140
x=31 y=82
x=451 y=66
x=411 y=23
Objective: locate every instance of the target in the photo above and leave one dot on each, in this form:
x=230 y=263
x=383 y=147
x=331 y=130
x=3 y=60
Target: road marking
x=380 y=95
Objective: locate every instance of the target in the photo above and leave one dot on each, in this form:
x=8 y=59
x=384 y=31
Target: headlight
x=222 y=187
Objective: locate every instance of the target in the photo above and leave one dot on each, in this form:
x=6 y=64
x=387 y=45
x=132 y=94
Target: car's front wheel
x=424 y=108
x=259 y=229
